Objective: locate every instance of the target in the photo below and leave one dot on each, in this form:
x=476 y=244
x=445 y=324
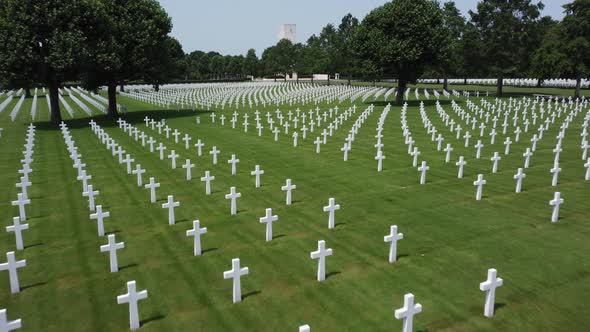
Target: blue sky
x=234 y=26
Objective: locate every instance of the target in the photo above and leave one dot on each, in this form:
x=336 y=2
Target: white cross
x=467 y=136
x=489 y=286
x=257 y=172
x=214 y=152
x=495 y=159
x=21 y=202
x=138 y=171
x=188 y=166
x=99 y=216
x=276 y=132
x=379 y=157
x=176 y=133
x=186 y=140
x=345 y=148
x=288 y=187
x=460 y=163
x=439 y=141
x=11 y=266
x=84 y=178
x=478 y=146
x=507 y=142
x=5 y=324
x=24 y=184
x=132 y=297
x=527 y=156
x=151 y=142
x=90 y=193
x=331 y=209
x=196 y=233
x=233 y=196
x=392 y=238
x=199 y=145
x=173 y=155
x=479 y=183
x=268 y=219
x=161 y=149
x=321 y=255
x=128 y=160
x=535 y=139
x=555 y=171
x=448 y=150
x=556 y=202
x=112 y=248
x=407 y=312
x=233 y=161
x=587 y=165
x=304 y=328
x=152 y=187
x=423 y=168
x=236 y=273
x=518 y=177
x=207 y=179
x=318 y=143
x=415 y=153
x=17 y=228
x=493 y=134
x=170 y=205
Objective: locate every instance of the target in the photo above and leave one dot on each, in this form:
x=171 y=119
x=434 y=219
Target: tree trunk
x=438 y=81
x=464 y=81
x=28 y=92
x=328 y=79
x=401 y=88
x=349 y=78
x=374 y=82
x=157 y=87
x=122 y=87
x=500 y=86
x=297 y=79
x=445 y=84
x=54 y=101
x=539 y=82
x=112 y=92
x=311 y=79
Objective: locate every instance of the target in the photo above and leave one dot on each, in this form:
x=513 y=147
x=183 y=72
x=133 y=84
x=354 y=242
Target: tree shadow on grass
x=153 y=318
x=131 y=117
x=411 y=103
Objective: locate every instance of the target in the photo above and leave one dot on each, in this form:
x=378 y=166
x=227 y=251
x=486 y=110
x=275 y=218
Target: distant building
x=289 y=32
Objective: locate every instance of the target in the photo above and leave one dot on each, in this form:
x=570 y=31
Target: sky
x=234 y=26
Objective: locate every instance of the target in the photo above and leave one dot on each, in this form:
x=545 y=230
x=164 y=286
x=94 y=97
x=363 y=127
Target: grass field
x=450 y=239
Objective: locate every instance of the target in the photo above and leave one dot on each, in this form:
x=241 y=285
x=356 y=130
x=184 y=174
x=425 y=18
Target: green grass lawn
x=450 y=239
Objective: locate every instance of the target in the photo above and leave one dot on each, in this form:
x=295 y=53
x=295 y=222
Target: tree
x=314 y=58
x=170 y=64
x=401 y=38
x=349 y=59
x=576 y=38
x=549 y=60
x=331 y=44
x=130 y=45
x=251 y=63
x=451 y=62
x=504 y=28
x=46 y=41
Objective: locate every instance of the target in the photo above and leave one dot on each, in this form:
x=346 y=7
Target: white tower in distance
x=289 y=32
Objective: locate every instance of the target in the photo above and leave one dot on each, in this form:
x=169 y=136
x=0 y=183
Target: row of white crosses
x=379 y=157
x=12 y=265
x=358 y=123
x=96 y=210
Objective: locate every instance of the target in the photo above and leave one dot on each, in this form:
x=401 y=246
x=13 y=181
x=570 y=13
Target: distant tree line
x=113 y=42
